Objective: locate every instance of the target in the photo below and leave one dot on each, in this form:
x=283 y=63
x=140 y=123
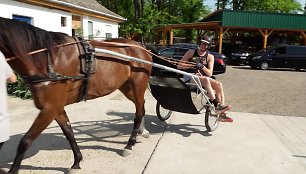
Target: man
x=6 y=76
x=205 y=65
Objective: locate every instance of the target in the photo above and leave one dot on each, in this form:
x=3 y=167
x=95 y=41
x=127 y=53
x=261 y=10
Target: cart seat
x=173 y=94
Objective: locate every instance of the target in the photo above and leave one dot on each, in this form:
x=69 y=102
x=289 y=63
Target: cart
x=172 y=94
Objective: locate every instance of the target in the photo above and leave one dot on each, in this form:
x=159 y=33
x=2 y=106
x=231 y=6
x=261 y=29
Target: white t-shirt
x=5 y=72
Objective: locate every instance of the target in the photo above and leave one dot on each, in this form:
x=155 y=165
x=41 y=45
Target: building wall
x=50 y=19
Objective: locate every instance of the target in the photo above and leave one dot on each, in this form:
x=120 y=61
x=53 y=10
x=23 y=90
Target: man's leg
x=1 y=144
x=1 y=171
x=207 y=86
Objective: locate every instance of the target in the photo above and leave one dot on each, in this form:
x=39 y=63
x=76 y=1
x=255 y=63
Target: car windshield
x=268 y=49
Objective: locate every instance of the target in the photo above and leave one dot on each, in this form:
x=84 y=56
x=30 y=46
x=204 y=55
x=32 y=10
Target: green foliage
x=144 y=16
x=79 y=31
x=274 y=6
x=19 y=89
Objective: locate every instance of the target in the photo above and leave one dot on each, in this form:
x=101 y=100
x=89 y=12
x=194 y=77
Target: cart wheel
x=162 y=113
x=211 y=120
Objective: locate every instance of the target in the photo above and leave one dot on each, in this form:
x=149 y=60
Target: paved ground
x=277 y=91
x=253 y=143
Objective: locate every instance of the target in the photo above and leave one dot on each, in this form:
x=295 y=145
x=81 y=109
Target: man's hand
x=199 y=66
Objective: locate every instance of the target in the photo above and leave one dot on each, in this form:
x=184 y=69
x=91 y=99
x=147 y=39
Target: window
x=182 y=51
x=63 y=21
x=23 y=19
x=108 y=32
x=297 y=50
x=90 y=30
x=108 y=35
x=168 y=52
x=281 y=50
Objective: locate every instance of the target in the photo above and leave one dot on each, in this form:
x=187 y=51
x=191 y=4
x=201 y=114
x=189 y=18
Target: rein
x=54 y=76
x=168 y=59
x=45 y=49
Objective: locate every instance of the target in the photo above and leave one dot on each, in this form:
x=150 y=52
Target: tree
x=143 y=16
x=275 y=6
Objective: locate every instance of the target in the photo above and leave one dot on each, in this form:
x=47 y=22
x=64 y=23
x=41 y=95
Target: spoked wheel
x=211 y=120
x=162 y=113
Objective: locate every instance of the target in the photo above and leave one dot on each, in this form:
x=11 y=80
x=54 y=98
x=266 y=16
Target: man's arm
x=188 y=55
x=12 y=78
x=210 y=66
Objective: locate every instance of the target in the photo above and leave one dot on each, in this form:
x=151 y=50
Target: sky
x=211 y=3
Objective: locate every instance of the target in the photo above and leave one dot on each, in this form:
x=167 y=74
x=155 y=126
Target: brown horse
x=55 y=78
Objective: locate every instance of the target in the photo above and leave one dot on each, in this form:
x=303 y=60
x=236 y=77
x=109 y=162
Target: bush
x=19 y=89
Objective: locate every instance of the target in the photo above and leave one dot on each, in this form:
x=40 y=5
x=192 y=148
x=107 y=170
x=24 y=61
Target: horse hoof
x=74 y=171
x=145 y=134
x=126 y=152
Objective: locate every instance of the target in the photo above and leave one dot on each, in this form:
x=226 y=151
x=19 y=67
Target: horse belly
x=109 y=77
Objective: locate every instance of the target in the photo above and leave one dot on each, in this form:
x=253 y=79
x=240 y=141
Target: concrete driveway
x=253 y=143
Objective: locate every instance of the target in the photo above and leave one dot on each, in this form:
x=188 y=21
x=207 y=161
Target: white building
x=86 y=18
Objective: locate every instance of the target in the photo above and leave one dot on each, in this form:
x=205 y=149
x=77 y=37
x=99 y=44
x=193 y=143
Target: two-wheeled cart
x=172 y=94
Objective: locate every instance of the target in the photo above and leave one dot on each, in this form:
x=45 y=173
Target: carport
x=222 y=21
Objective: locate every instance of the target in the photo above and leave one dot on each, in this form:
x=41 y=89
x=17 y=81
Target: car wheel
x=264 y=65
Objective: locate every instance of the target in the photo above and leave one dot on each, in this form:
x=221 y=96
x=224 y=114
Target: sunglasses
x=203 y=43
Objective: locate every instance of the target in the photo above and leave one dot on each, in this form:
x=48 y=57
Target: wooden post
x=220 y=39
x=171 y=37
x=164 y=37
x=304 y=36
x=265 y=35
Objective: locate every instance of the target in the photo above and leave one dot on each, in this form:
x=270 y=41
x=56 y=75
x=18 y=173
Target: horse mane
x=18 y=38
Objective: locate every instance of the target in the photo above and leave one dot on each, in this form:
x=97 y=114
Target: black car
x=285 y=56
x=239 y=57
x=177 y=51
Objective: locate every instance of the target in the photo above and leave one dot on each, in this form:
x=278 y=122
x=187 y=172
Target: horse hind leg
x=126 y=90
x=64 y=123
x=41 y=122
x=135 y=93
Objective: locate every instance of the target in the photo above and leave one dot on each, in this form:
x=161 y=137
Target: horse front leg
x=65 y=125
x=44 y=118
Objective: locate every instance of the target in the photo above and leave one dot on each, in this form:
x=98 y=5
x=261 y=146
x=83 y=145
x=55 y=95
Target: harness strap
x=89 y=56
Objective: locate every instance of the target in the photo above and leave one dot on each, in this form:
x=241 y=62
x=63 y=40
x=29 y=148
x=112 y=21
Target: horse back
x=112 y=72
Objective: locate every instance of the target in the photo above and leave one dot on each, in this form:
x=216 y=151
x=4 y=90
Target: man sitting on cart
x=204 y=65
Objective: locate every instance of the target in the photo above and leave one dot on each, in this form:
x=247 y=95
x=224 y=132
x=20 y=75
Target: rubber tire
x=162 y=117
x=211 y=125
x=264 y=65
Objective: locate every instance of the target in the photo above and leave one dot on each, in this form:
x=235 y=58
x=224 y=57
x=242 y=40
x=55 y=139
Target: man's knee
x=205 y=80
x=220 y=85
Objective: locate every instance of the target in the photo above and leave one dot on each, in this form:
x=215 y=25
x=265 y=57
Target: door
x=279 y=58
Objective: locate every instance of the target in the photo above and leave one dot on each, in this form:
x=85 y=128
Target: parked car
x=239 y=57
x=285 y=56
x=238 y=54
x=177 y=51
